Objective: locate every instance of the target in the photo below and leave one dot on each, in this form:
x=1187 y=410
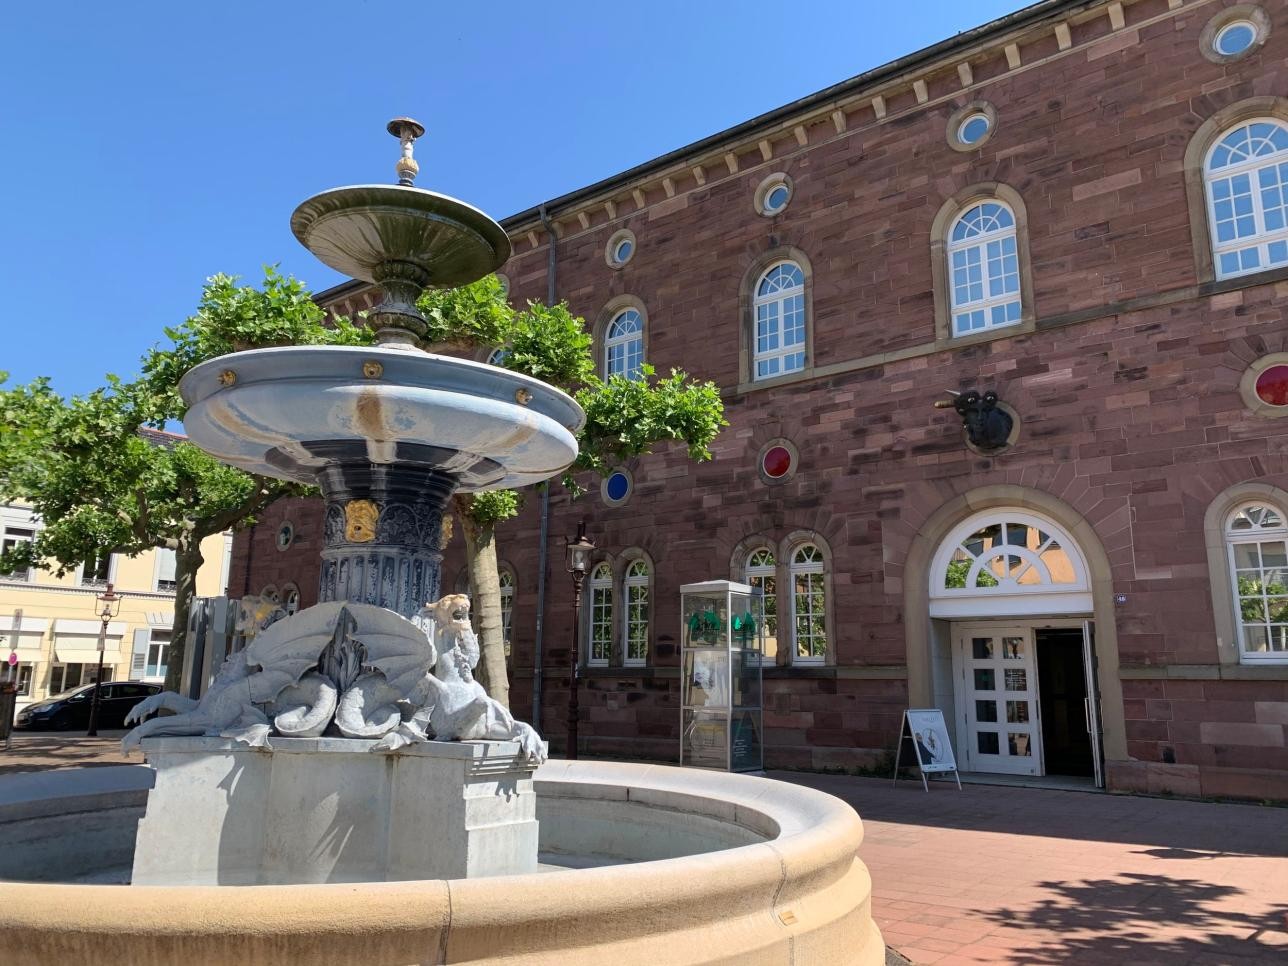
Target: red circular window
x=777 y=462
x=1272 y=386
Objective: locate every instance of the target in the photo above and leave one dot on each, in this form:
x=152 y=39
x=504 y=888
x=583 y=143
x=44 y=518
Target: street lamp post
x=110 y=606
x=578 y=562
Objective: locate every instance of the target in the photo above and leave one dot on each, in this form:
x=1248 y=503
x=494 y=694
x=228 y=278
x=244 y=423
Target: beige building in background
x=49 y=625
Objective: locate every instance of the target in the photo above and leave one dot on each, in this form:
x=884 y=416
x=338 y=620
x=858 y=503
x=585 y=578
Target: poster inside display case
x=721 y=651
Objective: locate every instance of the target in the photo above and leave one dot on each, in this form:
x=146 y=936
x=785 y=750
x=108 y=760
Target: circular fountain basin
x=357 y=229
x=659 y=865
x=289 y=412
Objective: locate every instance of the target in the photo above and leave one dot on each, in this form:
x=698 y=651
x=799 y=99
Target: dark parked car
x=64 y=712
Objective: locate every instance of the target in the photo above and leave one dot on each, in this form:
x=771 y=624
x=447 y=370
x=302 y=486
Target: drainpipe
x=543 y=553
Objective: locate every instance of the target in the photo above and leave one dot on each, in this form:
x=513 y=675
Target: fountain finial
x=406 y=130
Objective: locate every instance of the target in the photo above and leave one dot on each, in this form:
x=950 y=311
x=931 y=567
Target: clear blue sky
x=145 y=146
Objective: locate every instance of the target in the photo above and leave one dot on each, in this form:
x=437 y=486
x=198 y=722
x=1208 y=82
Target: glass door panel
x=997 y=700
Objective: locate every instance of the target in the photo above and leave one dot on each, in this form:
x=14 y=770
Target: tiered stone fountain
x=374 y=845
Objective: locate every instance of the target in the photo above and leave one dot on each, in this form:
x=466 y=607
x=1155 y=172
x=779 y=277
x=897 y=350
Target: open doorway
x=1062 y=696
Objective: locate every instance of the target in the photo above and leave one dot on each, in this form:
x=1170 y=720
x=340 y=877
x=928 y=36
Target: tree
x=625 y=418
x=101 y=486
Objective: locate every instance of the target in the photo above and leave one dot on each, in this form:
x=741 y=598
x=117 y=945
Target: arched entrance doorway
x=1010 y=594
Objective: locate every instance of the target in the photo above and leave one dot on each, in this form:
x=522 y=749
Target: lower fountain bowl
x=654 y=865
x=290 y=412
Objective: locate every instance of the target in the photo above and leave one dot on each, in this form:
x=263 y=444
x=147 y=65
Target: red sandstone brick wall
x=1131 y=417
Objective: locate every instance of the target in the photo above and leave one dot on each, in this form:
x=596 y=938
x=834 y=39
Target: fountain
x=369 y=800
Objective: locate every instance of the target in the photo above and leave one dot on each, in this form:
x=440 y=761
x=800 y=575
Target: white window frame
x=753 y=572
x=505 y=580
x=635 y=583
x=780 y=300
x=1256 y=536
x=1261 y=239
x=624 y=341
x=599 y=593
x=157 y=555
x=111 y=574
x=30 y=530
x=981 y=241
x=161 y=646
x=810 y=568
x=1006 y=599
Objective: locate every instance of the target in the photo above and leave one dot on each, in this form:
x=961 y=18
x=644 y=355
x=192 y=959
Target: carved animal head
x=452 y=609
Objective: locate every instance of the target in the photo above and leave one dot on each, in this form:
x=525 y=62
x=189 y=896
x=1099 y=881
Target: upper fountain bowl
x=357 y=229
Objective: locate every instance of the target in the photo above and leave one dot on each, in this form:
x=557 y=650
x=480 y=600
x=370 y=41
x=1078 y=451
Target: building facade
x=49 y=625
x=1082 y=208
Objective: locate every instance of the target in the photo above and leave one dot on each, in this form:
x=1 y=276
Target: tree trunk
x=485 y=583
x=187 y=561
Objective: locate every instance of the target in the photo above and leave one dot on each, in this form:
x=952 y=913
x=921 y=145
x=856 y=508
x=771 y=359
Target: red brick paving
x=1017 y=875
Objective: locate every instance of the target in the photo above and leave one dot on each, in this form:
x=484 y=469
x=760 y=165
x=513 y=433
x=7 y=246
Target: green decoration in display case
x=720 y=658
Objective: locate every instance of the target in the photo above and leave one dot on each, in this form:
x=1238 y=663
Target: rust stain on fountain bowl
x=369 y=415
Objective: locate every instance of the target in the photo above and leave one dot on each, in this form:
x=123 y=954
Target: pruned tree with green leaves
x=625 y=418
x=101 y=487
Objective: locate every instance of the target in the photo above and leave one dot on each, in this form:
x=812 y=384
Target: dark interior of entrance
x=1062 y=692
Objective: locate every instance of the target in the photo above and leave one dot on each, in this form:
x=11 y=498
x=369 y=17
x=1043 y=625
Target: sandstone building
x=1082 y=207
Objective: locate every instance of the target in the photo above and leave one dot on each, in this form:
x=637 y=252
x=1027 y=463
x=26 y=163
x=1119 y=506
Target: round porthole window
x=1234 y=38
x=285 y=536
x=973 y=129
x=1272 y=386
x=778 y=461
x=616 y=488
x=620 y=248
x=773 y=194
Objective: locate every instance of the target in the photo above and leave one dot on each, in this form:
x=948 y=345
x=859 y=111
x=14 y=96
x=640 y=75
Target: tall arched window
x=809 y=605
x=635 y=629
x=599 y=643
x=507 y=607
x=762 y=571
x=624 y=345
x=1257 y=538
x=1246 y=174
x=779 y=311
x=983 y=269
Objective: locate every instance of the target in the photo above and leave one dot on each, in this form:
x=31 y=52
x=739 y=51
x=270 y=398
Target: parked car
x=64 y=712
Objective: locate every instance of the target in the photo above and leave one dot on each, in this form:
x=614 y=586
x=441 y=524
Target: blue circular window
x=1235 y=38
x=617 y=487
x=973 y=129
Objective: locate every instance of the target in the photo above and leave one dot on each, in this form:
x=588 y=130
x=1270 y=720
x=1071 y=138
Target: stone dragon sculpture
x=350 y=669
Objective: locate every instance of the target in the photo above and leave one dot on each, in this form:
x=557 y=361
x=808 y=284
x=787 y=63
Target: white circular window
x=773 y=194
x=621 y=248
x=973 y=129
x=1235 y=38
x=1234 y=32
x=971 y=125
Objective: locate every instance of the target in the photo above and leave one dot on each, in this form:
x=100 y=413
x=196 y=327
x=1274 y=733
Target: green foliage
x=551 y=344
x=488 y=509
x=230 y=318
x=476 y=314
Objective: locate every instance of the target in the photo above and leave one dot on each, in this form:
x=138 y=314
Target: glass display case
x=722 y=640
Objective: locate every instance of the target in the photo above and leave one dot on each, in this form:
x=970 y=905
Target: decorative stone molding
x=953 y=130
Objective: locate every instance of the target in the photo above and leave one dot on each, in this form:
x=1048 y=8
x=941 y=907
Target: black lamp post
x=578 y=562
x=110 y=606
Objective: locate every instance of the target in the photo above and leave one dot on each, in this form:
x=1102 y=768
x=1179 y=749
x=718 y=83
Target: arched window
x=779 y=312
x=599 y=642
x=983 y=269
x=498 y=356
x=809 y=605
x=761 y=571
x=624 y=345
x=635 y=628
x=1257 y=538
x=1008 y=563
x=1246 y=175
x=507 y=606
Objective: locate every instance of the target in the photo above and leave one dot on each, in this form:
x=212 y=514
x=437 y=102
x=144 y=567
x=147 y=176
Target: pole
x=98 y=679
x=574 y=669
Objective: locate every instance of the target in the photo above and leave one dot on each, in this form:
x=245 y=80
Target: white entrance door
x=997 y=699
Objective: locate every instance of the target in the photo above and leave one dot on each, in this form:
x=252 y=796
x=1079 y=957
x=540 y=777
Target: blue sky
x=145 y=146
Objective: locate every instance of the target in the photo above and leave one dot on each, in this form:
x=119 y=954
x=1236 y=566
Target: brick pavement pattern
x=42 y=750
x=1016 y=875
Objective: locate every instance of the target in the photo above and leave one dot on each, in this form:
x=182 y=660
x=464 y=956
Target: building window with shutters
x=165 y=571
x=156 y=655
